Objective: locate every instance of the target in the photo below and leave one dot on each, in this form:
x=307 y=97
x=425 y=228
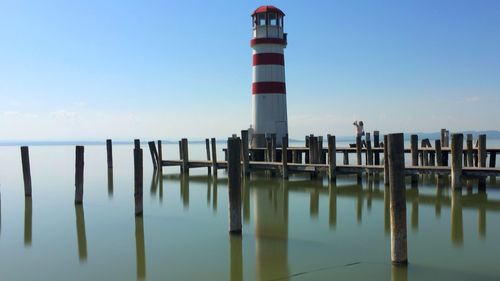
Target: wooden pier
x=315 y=159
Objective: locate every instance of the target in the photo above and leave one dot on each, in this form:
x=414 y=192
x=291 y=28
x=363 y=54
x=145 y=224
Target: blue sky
x=100 y=69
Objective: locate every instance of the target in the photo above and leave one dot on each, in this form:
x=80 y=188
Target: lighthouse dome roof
x=269 y=8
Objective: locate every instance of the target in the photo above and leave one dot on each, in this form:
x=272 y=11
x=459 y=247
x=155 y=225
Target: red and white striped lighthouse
x=269 y=115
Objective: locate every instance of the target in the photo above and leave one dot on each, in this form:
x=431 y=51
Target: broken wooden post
x=160 y=159
x=79 y=174
x=397 y=188
x=25 y=159
x=234 y=184
x=457 y=147
x=138 y=175
x=414 y=149
x=154 y=154
x=439 y=153
x=185 y=156
x=109 y=153
x=284 y=157
x=245 y=153
x=376 y=144
x=332 y=161
x=386 y=163
x=481 y=148
x=207 y=148
x=214 y=155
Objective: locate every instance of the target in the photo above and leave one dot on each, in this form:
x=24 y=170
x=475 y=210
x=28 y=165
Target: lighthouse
x=269 y=114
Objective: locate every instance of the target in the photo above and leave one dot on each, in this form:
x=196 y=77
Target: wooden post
x=268 y=153
x=332 y=160
x=138 y=175
x=137 y=143
x=214 y=156
x=185 y=156
x=109 y=153
x=443 y=137
x=493 y=159
x=207 y=148
x=154 y=154
x=244 y=153
x=79 y=174
x=457 y=147
x=470 y=149
x=358 y=149
x=321 y=159
x=312 y=146
x=160 y=159
x=273 y=147
x=234 y=184
x=439 y=153
x=386 y=163
x=306 y=154
x=425 y=154
x=369 y=152
x=376 y=144
x=284 y=157
x=397 y=188
x=482 y=151
x=25 y=159
x=414 y=150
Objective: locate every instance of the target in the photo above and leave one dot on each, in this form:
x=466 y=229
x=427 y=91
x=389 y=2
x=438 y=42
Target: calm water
x=297 y=230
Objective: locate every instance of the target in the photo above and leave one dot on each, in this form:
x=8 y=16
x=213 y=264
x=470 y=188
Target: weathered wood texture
x=25 y=159
x=79 y=163
x=234 y=184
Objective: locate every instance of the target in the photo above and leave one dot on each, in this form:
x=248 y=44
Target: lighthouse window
x=261 y=19
x=272 y=19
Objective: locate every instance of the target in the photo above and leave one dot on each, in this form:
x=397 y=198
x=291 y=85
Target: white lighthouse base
x=269 y=116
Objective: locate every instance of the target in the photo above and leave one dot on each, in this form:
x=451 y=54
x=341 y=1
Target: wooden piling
x=332 y=160
x=346 y=158
x=273 y=147
x=284 y=157
x=493 y=159
x=369 y=152
x=25 y=159
x=245 y=154
x=79 y=174
x=397 y=188
x=137 y=143
x=386 y=163
x=138 y=176
x=470 y=150
x=154 y=154
x=160 y=158
x=214 y=156
x=414 y=149
x=481 y=148
x=207 y=148
x=376 y=144
x=358 y=150
x=109 y=153
x=439 y=153
x=234 y=184
x=443 y=137
x=457 y=147
x=185 y=156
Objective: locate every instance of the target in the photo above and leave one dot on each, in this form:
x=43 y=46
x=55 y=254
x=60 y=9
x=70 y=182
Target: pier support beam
x=332 y=159
x=138 y=176
x=386 y=163
x=109 y=153
x=244 y=152
x=284 y=157
x=398 y=199
x=376 y=144
x=214 y=155
x=414 y=150
x=358 y=150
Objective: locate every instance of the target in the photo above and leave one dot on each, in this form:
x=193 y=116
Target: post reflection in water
x=246 y=200
x=271 y=230
x=481 y=220
x=160 y=186
x=414 y=205
x=80 y=233
x=399 y=273
x=214 y=193
x=185 y=190
x=110 y=183
x=140 y=251
x=235 y=258
x=28 y=213
x=314 y=204
x=457 y=227
x=154 y=184
x=332 y=206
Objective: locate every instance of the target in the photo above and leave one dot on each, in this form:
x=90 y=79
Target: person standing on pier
x=360 y=131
